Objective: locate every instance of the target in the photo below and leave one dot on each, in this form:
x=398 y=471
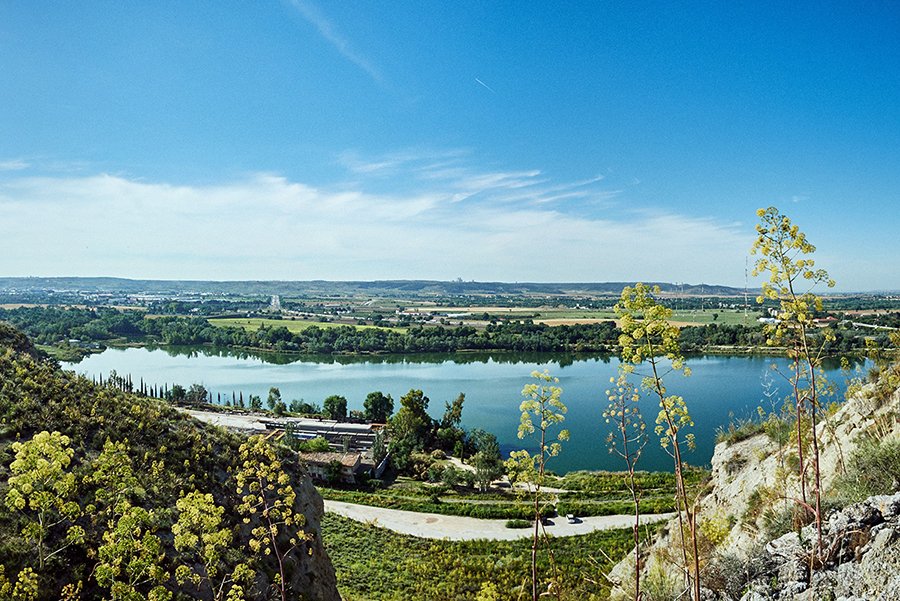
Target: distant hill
x=418 y=288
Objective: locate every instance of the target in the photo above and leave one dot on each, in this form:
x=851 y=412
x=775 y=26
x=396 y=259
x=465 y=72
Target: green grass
x=725 y=317
x=612 y=484
x=252 y=324
x=591 y=494
x=373 y=564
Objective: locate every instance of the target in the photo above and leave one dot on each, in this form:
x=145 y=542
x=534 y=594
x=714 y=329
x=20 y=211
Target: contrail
x=485 y=85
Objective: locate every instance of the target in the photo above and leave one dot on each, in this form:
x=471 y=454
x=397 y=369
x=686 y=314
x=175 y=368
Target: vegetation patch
x=873 y=469
x=109 y=493
x=374 y=564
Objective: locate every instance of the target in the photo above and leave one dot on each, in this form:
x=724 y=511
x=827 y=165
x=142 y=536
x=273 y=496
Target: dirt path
x=451 y=527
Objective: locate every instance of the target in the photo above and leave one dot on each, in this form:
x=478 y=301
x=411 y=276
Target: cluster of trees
x=55 y=325
x=416 y=438
x=107 y=494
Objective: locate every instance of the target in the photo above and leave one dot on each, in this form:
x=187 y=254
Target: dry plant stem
x=635 y=497
x=537 y=518
x=272 y=530
x=795 y=383
x=811 y=374
x=557 y=591
x=814 y=401
x=680 y=488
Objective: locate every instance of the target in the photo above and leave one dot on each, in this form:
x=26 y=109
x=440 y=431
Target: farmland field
x=254 y=323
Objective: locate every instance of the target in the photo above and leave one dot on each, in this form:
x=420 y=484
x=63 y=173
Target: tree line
x=104 y=325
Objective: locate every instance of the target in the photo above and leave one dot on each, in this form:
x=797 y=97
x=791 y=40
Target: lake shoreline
x=723 y=388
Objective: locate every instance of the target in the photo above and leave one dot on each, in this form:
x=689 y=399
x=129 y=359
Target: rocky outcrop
x=860 y=561
x=753 y=482
x=313 y=574
x=756 y=474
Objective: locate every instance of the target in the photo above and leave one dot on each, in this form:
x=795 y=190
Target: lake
x=719 y=388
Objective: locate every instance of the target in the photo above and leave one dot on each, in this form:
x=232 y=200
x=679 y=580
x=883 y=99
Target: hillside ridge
x=154 y=458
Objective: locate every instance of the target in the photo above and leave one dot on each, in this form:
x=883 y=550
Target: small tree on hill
x=274 y=398
x=378 y=407
x=197 y=394
x=485 y=457
x=411 y=426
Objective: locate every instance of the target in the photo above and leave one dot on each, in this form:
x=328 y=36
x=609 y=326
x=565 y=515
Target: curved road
x=452 y=527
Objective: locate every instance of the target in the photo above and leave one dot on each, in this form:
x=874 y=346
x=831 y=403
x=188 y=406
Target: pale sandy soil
x=451 y=527
x=228 y=420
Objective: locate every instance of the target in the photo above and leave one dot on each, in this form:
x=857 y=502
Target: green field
x=254 y=323
x=728 y=317
x=375 y=564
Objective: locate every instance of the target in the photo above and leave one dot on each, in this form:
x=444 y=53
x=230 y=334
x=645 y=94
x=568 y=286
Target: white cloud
x=267 y=226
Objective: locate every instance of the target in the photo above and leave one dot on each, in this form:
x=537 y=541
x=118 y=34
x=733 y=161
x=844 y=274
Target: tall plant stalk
x=625 y=415
x=649 y=337
x=784 y=254
x=541 y=410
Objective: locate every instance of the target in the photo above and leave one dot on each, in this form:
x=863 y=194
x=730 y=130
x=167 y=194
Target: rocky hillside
x=755 y=544
x=107 y=494
x=862 y=558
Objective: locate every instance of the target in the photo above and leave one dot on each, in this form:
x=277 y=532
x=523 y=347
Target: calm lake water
x=720 y=387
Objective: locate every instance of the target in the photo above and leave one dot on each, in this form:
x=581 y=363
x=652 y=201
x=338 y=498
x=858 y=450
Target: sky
x=491 y=141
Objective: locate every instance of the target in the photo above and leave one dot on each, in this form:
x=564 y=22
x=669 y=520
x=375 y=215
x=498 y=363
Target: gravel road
x=451 y=527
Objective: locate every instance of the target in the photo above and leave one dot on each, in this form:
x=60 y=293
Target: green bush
x=498 y=511
x=518 y=524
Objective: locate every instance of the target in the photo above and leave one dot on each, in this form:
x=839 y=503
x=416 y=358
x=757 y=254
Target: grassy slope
x=35 y=395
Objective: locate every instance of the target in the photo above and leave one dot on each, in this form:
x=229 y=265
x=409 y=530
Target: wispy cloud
x=390 y=164
x=14 y=165
x=454 y=171
x=327 y=30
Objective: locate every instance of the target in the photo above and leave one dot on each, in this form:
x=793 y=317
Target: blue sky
x=505 y=141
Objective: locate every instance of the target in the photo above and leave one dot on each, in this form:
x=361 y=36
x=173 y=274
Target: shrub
x=739 y=429
x=435 y=472
x=728 y=574
x=873 y=469
x=660 y=585
x=516 y=523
